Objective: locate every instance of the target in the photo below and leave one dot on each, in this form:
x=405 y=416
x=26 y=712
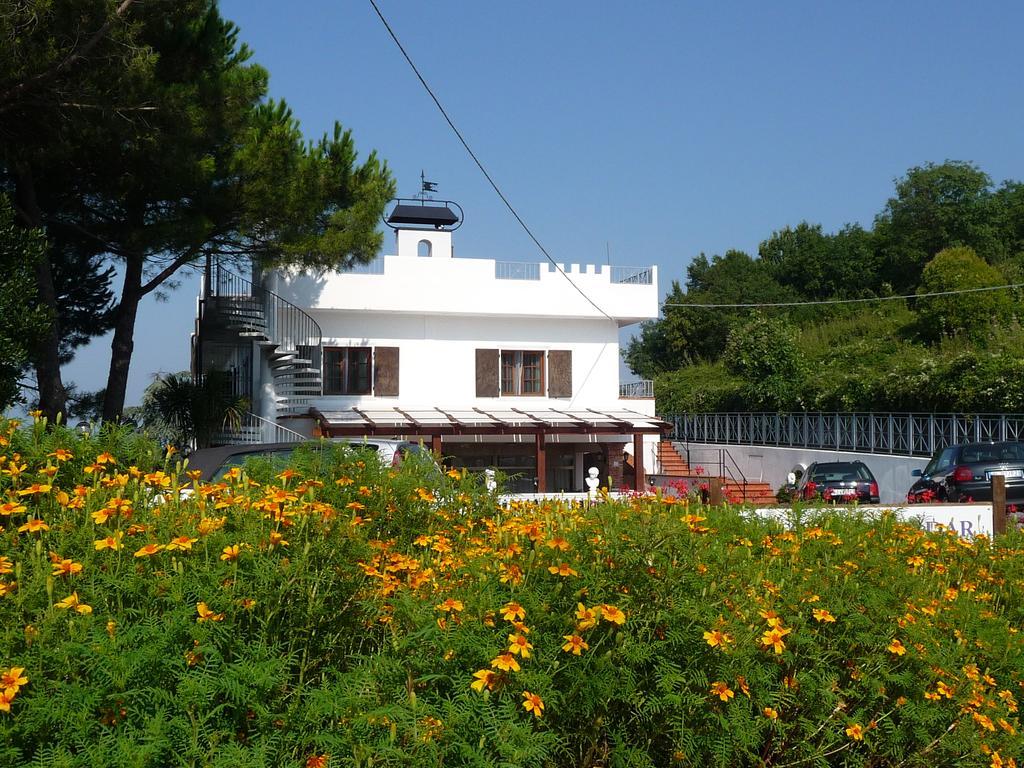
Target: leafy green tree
x=23 y=320
x=969 y=314
x=935 y=207
x=183 y=412
x=821 y=266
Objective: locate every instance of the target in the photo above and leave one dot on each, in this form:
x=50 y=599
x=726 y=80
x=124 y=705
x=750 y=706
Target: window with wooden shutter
x=560 y=373
x=487 y=372
x=385 y=371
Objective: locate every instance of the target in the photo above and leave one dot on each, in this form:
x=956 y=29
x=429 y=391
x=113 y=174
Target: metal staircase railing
x=290 y=340
x=256 y=429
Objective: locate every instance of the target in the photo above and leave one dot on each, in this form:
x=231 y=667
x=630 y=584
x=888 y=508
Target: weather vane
x=426 y=186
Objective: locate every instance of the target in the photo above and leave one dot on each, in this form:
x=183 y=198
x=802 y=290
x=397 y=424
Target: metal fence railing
x=906 y=434
x=634 y=275
x=516 y=270
x=638 y=389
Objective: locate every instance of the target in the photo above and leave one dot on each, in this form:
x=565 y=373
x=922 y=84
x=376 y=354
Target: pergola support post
x=639 y=477
x=542 y=470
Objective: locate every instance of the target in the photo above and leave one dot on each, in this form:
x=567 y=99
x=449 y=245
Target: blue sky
x=656 y=132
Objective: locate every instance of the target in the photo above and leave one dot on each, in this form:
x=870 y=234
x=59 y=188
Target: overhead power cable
x=844 y=301
x=480 y=165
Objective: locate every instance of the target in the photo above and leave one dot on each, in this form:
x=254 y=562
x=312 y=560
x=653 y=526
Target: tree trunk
x=124 y=339
x=46 y=355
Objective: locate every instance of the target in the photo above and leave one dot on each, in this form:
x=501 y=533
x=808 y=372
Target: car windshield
x=839 y=472
x=279 y=459
x=942 y=458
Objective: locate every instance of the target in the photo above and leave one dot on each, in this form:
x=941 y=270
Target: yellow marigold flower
x=450 y=605
x=110 y=542
x=574 y=644
x=716 y=638
x=772 y=638
x=36 y=489
x=11 y=508
x=66 y=567
x=506 y=662
x=612 y=614
x=149 y=550
x=247 y=603
x=425 y=495
x=559 y=543
x=513 y=611
x=533 y=703
x=771 y=617
x=35 y=525
x=205 y=614
x=62 y=454
x=277 y=539
x=562 y=570
x=983 y=721
x=770 y=713
x=915 y=561
x=855 y=731
x=181 y=543
x=485 y=678
x=6 y=565
x=358 y=506
x=6 y=697
x=586 y=617
x=822 y=614
x=518 y=644
x=12 y=679
x=210 y=524
x=105 y=458
x=343 y=481
x=722 y=690
x=231 y=552
x=896 y=647
x=72 y=601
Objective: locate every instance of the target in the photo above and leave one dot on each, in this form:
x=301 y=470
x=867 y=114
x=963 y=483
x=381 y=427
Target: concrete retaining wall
x=771 y=465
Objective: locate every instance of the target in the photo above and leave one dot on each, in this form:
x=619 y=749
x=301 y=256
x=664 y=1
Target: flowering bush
x=339 y=613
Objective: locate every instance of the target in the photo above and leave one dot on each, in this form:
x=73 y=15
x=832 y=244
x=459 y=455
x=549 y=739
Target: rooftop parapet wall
x=481 y=287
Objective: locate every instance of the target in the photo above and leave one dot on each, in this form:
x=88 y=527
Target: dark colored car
x=839 y=481
x=931 y=481
x=214 y=463
x=966 y=470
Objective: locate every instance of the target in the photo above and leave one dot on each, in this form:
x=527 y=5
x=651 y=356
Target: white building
x=492 y=364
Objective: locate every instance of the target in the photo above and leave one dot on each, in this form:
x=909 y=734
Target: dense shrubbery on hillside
x=947 y=228
x=341 y=614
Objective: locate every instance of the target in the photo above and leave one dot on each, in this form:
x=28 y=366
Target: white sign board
x=967 y=520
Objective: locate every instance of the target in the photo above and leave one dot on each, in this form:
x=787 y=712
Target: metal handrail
x=516 y=270
x=727 y=467
x=253 y=428
x=903 y=434
x=633 y=275
x=638 y=389
x=287 y=325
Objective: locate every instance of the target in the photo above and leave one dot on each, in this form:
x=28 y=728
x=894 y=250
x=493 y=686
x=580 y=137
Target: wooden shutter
x=560 y=373
x=487 y=373
x=385 y=371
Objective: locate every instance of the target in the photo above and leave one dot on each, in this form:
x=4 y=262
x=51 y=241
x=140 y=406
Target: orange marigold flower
x=6 y=697
x=506 y=662
x=822 y=614
x=62 y=454
x=110 y=542
x=773 y=638
x=6 y=565
x=513 y=611
x=105 y=458
x=559 y=543
x=205 y=614
x=770 y=713
x=896 y=647
x=36 y=489
x=11 y=508
x=72 y=602
x=485 y=678
x=12 y=679
x=574 y=644
x=277 y=539
x=716 y=638
x=983 y=721
x=855 y=731
x=450 y=605
x=518 y=644
x=771 y=617
x=586 y=617
x=149 y=550
x=181 y=543
x=722 y=690
x=612 y=614
x=231 y=552
x=318 y=761
x=66 y=567
x=562 y=570
x=533 y=703
x=35 y=525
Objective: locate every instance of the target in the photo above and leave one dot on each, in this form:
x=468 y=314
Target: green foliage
x=23 y=320
x=179 y=411
x=972 y=314
x=361 y=600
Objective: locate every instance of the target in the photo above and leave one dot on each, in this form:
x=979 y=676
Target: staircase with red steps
x=672 y=463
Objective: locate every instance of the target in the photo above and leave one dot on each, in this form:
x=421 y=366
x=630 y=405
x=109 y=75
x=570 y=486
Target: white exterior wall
x=468 y=287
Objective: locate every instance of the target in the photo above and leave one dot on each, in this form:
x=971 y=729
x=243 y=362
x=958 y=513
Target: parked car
x=214 y=463
x=965 y=471
x=838 y=481
x=931 y=481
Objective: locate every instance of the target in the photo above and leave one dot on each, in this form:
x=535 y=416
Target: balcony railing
x=634 y=275
x=375 y=267
x=637 y=389
x=907 y=434
x=516 y=270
